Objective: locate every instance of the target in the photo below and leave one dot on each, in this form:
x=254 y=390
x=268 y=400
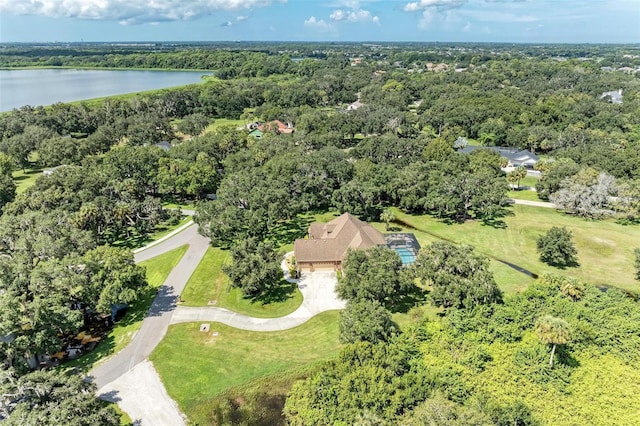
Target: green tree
x=255 y=267
x=555 y=172
x=193 y=124
x=438 y=149
x=636 y=253
x=379 y=379
x=516 y=176
x=7 y=189
x=552 y=331
x=387 y=217
x=366 y=320
x=6 y=164
x=458 y=276
x=360 y=198
x=372 y=274
x=556 y=247
x=52 y=397
x=112 y=278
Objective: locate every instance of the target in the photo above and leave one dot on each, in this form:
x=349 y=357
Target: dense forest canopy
x=376 y=126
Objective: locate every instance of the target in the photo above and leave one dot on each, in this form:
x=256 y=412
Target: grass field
x=220 y=122
x=605 y=248
x=158 y=269
x=523 y=194
x=24 y=179
x=197 y=366
x=210 y=286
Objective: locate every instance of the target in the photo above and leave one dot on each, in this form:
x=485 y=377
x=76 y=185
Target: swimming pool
x=406 y=255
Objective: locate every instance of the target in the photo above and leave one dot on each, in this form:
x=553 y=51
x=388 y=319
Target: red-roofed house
x=277 y=126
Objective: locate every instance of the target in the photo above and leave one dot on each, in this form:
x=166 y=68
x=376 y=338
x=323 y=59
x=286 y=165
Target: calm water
x=48 y=86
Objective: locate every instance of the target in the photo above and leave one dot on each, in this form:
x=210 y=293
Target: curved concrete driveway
x=130 y=380
x=318 y=292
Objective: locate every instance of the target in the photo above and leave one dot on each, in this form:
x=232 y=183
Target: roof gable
x=330 y=241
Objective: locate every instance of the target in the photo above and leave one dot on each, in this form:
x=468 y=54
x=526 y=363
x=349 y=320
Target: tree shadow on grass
x=415 y=296
x=497 y=221
x=278 y=293
x=565 y=265
x=288 y=231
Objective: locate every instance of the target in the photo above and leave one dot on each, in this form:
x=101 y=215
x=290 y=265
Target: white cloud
x=227 y=24
x=425 y=19
x=352 y=13
x=437 y=4
x=356 y=15
x=128 y=12
x=318 y=24
x=241 y=18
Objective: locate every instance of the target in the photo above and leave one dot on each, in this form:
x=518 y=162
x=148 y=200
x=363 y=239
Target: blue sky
x=537 y=21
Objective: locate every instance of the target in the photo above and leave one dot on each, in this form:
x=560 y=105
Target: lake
x=48 y=86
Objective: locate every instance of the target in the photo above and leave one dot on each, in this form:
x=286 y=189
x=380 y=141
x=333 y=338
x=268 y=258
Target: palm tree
x=387 y=217
x=517 y=175
x=552 y=331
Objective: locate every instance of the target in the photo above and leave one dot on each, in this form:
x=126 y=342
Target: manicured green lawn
x=25 y=179
x=219 y=122
x=210 y=286
x=529 y=181
x=158 y=269
x=164 y=229
x=175 y=205
x=605 y=248
x=508 y=279
x=196 y=366
x=524 y=194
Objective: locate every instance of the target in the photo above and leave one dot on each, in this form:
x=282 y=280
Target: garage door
x=323 y=266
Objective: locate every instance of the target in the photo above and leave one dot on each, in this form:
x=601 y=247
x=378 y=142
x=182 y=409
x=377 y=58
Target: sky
x=517 y=21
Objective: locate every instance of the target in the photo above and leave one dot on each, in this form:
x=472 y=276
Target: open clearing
x=605 y=248
x=196 y=366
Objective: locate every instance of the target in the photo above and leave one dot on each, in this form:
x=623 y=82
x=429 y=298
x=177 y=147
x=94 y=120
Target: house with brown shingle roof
x=327 y=243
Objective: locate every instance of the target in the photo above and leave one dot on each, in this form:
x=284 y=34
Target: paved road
x=534 y=203
x=141 y=394
x=115 y=377
x=155 y=325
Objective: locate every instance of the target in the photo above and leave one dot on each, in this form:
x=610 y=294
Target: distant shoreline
x=70 y=67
